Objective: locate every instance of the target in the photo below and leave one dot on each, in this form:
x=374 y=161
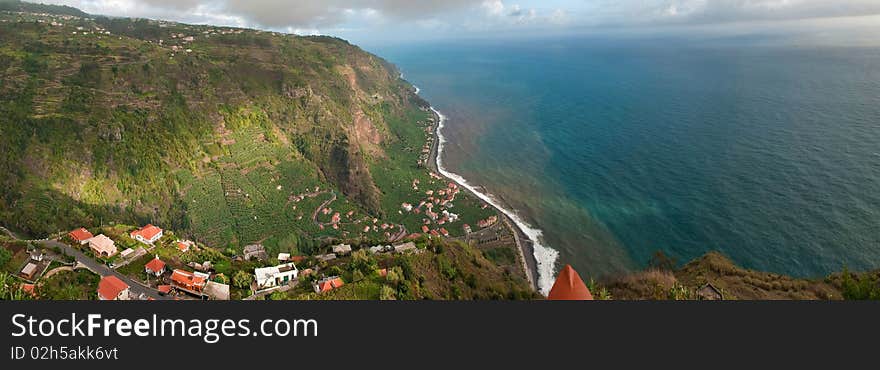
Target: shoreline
x=525 y=242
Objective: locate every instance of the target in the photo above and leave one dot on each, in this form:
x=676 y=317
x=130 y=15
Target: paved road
x=99 y=268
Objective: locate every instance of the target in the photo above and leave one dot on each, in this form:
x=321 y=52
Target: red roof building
x=164 y=289
x=328 y=284
x=147 y=234
x=80 y=235
x=569 y=287
x=110 y=288
x=155 y=267
x=192 y=281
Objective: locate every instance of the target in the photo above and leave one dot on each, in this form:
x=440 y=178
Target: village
x=149 y=263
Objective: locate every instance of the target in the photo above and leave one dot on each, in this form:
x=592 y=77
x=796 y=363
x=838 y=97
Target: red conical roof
x=569 y=286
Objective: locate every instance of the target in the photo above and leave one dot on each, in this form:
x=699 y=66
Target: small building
x=270 y=277
x=466 y=228
x=255 y=252
x=29 y=271
x=155 y=267
x=184 y=245
x=164 y=289
x=103 y=246
x=341 y=249
x=325 y=257
x=80 y=235
x=111 y=288
x=148 y=234
x=283 y=257
x=327 y=284
x=193 y=282
x=126 y=253
x=405 y=247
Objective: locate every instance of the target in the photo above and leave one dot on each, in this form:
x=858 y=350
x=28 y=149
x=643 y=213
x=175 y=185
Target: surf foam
x=544 y=256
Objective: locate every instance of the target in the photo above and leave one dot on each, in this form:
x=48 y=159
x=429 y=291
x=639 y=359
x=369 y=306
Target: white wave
x=417 y=89
x=544 y=256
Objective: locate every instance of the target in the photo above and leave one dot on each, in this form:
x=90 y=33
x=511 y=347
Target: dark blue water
x=770 y=155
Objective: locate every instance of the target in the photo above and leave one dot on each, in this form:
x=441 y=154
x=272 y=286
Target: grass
x=74 y=285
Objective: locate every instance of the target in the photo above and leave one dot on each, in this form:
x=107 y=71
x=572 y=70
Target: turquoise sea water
x=770 y=155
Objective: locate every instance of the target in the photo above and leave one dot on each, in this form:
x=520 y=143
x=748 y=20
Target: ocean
x=613 y=151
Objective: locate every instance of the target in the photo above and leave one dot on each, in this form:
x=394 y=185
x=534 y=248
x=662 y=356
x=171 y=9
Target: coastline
x=525 y=236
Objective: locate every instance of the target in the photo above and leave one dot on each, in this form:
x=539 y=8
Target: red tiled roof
x=29 y=289
x=187 y=279
x=155 y=265
x=331 y=284
x=147 y=232
x=297 y=258
x=183 y=247
x=569 y=286
x=424 y=228
x=110 y=286
x=164 y=289
x=80 y=234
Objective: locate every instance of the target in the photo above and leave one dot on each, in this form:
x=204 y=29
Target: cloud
x=406 y=18
x=725 y=11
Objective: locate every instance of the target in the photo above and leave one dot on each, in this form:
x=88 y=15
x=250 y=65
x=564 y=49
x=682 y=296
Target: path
x=137 y=288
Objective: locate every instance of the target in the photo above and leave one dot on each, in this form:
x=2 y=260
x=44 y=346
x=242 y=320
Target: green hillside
x=229 y=136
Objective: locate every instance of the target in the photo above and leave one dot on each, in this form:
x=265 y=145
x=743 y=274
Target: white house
x=270 y=277
x=342 y=249
x=148 y=234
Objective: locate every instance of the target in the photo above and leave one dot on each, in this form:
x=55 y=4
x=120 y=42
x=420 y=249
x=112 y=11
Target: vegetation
x=77 y=285
x=236 y=141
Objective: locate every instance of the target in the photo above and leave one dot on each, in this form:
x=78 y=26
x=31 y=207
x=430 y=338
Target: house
x=325 y=257
x=190 y=281
x=255 y=252
x=444 y=232
x=148 y=234
x=341 y=249
x=184 y=245
x=80 y=235
x=110 y=288
x=283 y=257
x=126 y=253
x=155 y=267
x=29 y=271
x=164 y=289
x=466 y=228
x=103 y=246
x=270 y=277
x=327 y=284
x=405 y=247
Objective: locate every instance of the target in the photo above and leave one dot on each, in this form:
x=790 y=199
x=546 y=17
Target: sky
x=377 y=21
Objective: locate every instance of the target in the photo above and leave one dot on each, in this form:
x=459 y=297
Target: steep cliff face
x=135 y=120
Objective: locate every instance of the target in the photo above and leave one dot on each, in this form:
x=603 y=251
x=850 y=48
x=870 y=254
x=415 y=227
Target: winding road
x=136 y=287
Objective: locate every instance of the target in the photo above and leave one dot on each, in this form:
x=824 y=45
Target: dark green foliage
x=861 y=287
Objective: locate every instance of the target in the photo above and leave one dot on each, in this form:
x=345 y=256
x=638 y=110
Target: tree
x=357 y=275
x=241 y=279
x=386 y=293
x=361 y=260
x=277 y=296
x=221 y=279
